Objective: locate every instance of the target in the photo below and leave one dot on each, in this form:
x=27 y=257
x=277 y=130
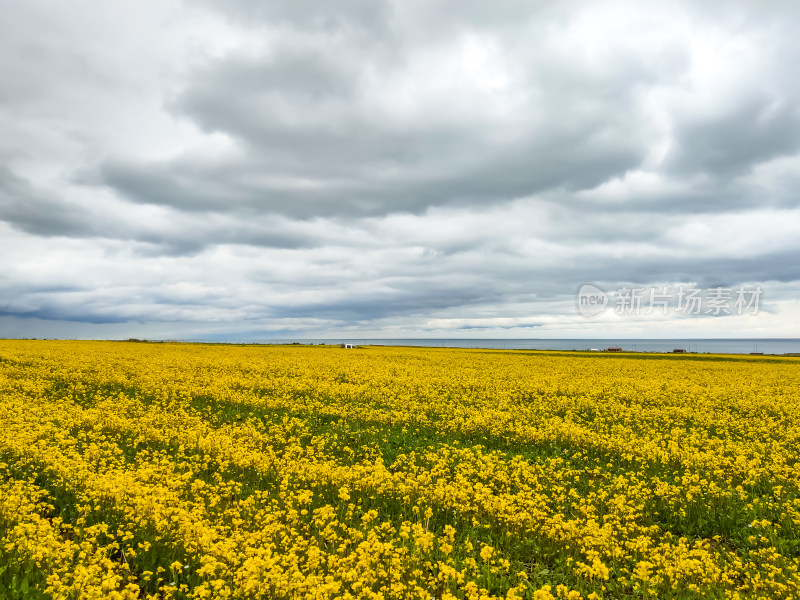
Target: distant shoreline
x=784 y=347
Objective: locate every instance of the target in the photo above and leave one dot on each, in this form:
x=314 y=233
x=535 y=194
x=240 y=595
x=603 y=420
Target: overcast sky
x=366 y=168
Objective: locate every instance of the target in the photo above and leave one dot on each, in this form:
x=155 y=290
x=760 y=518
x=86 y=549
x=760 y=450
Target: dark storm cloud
x=43 y=213
x=704 y=272
x=62 y=314
x=355 y=187
x=715 y=271
x=730 y=142
x=22 y=206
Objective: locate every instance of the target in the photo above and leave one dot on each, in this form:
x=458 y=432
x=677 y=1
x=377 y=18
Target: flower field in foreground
x=133 y=470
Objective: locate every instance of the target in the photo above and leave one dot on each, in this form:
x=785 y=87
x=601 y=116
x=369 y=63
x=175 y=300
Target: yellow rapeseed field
x=133 y=470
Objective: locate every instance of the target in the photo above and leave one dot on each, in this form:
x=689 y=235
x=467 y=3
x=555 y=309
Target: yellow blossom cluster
x=155 y=470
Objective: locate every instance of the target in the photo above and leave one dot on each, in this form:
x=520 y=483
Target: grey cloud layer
x=362 y=114
x=342 y=163
x=326 y=130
